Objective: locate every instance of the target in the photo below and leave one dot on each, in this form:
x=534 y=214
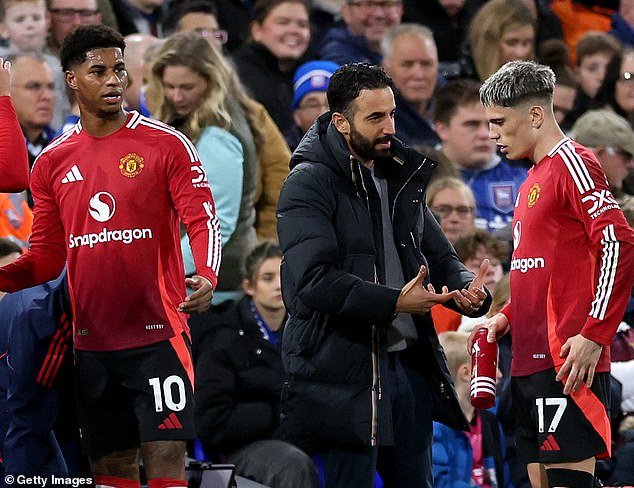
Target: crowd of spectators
x=244 y=80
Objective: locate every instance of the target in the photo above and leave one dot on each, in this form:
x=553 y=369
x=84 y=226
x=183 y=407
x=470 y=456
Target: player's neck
x=549 y=138
x=99 y=125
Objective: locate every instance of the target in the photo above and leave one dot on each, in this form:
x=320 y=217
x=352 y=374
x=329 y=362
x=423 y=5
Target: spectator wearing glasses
x=66 y=15
x=464 y=131
x=198 y=16
x=453 y=204
x=366 y=22
x=33 y=96
x=280 y=35
x=310 y=101
x=611 y=139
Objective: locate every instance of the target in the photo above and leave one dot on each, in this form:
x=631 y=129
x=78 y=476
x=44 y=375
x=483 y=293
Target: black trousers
x=406 y=464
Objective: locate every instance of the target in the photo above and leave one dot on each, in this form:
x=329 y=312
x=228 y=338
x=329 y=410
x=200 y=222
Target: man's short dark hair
x=179 y=10
x=347 y=82
x=454 y=94
x=86 y=38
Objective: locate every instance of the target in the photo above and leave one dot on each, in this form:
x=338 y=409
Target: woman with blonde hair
x=193 y=88
x=501 y=31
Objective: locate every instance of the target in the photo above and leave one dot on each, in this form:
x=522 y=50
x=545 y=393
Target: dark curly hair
x=348 y=81
x=86 y=38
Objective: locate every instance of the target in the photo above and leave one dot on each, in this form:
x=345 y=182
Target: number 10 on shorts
x=164 y=394
x=560 y=403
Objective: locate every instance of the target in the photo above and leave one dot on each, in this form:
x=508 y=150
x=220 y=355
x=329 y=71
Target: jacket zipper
x=403 y=186
x=376 y=369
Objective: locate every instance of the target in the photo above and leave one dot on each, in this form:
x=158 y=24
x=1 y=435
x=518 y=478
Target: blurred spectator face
x=591 y=71
x=626 y=10
x=624 y=88
x=563 y=101
x=184 y=88
x=285 y=31
x=465 y=139
x=265 y=287
x=517 y=44
x=452 y=7
x=455 y=212
x=495 y=271
x=617 y=165
x=68 y=14
x=33 y=94
x=207 y=26
x=372 y=18
x=136 y=45
x=25 y=25
x=413 y=65
x=312 y=106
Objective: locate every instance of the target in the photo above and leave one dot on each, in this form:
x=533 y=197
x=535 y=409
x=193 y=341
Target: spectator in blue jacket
x=467 y=459
x=463 y=128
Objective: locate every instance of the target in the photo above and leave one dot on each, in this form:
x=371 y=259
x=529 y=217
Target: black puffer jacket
x=239 y=376
x=334 y=341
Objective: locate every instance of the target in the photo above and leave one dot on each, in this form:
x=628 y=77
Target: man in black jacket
x=363 y=257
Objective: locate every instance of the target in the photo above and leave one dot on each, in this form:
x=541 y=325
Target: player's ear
x=341 y=123
x=537 y=116
x=71 y=81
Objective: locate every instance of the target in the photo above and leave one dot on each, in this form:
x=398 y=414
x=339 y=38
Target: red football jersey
x=112 y=207
x=573 y=260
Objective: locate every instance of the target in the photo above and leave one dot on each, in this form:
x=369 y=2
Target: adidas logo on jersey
x=550 y=444
x=73 y=175
x=170 y=422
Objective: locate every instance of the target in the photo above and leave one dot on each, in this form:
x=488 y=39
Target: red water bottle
x=484 y=360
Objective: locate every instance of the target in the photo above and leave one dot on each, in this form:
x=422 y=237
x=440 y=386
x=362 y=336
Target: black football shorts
x=555 y=428
x=135 y=395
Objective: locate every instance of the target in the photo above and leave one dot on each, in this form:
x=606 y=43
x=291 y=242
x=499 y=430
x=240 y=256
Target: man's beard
x=364 y=148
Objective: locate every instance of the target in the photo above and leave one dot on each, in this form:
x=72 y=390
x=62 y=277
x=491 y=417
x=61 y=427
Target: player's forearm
x=31 y=269
x=14 y=163
x=206 y=246
x=612 y=290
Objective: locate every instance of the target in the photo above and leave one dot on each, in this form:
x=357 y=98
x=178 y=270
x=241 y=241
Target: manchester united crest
x=131 y=165
x=533 y=195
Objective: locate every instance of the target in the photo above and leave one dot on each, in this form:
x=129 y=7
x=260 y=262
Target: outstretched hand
x=416 y=298
x=471 y=299
x=5 y=77
x=200 y=300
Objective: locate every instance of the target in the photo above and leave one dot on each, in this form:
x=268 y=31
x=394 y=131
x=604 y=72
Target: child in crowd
x=24 y=24
x=467 y=459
